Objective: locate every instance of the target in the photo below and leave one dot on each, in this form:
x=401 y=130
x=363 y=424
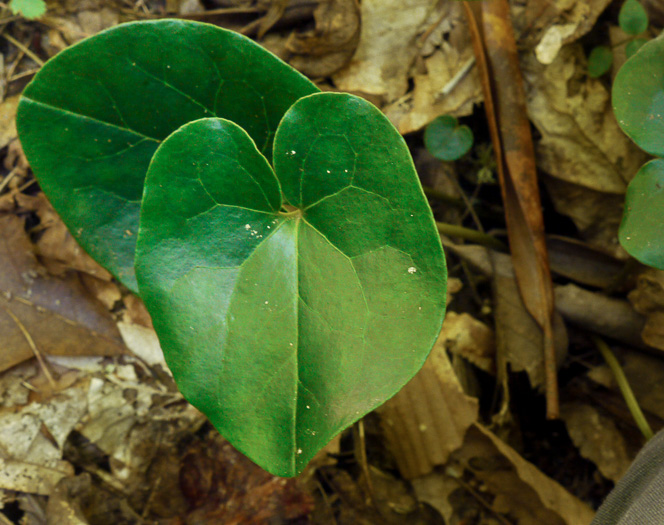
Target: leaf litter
x=95 y=431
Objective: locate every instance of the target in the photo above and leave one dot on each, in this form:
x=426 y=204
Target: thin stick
x=475 y=236
x=23 y=48
x=32 y=344
x=8 y=178
x=625 y=389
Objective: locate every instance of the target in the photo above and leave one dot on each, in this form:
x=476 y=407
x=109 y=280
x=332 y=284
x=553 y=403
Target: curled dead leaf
x=328 y=47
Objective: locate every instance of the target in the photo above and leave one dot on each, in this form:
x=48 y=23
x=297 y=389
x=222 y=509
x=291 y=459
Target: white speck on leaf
x=299 y=451
x=412 y=270
x=266 y=302
x=247 y=226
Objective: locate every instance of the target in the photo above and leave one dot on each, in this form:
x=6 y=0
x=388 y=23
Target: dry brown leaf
x=144 y=343
x=521 y=491
x=581 y=141
x=445 y=79
x=32 y=440
x=469 y=338
x=648 y=296
x=136 y=312
x=107 y=292
x=597 y=438
x=55 y=245
x=648 y=299
x=549 y=24
x=383 y=58
x=518 y=338
x=428 y=418
x=331 y=44
x=223 y=486
x=8 y=120
x=505 y=105
x=65 y=502
x=59 y=315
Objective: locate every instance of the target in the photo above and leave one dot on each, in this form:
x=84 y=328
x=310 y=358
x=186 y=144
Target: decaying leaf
x=521 y=491
x=444 y=76
x=469 y=338
x=8 y=120
x=428 y=418
x=648 y=299
x=430 y=46
x=549 y=24
x=331 y=44
x=597 y=439
x=582 y=147
x=505 y=105
x=57 y=248
x=581 y=141
x=518 y=338
x=60 y=316
x=383 y=58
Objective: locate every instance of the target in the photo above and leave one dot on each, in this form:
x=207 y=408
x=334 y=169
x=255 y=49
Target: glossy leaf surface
x=446 y=140
x=641 y=230
x=286 y=322
x=638 y=97
x=93 y=117
x=633 y=18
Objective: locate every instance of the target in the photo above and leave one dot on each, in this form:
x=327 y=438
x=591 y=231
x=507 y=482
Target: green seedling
x=279 y=236
x=446 y=140
x=638 y=103
x=599 y=61
x=28 y=8
x=633 y=20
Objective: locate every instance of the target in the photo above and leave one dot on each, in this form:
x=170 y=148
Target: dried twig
x=33 y=346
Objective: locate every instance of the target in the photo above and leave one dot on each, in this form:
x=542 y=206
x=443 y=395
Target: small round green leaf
x=633 y=18
x=599 y=61
x=632 y=47
x=446 y=140
x=28 y=8
x=92 y=118
x=643 y=219
x=638 y=97
x=285 y=324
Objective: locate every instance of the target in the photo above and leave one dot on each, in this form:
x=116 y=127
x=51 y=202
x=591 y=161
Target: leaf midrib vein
x=87 y=117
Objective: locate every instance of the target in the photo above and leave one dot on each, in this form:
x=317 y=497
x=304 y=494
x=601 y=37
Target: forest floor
x=92 y=427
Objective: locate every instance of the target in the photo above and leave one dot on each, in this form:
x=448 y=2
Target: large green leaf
x=638 y=97
x=642 y=228
x=285 y=323
x=93 y=117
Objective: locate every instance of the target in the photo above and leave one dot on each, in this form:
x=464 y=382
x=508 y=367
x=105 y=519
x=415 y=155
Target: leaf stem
x=468 y=234
x=625 y=389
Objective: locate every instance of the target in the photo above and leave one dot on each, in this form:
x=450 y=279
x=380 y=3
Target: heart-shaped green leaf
x=93 y=117
x=638 y=97
x=643 y=220
x=446 y=140
x=286 y=322
x=633 y=18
